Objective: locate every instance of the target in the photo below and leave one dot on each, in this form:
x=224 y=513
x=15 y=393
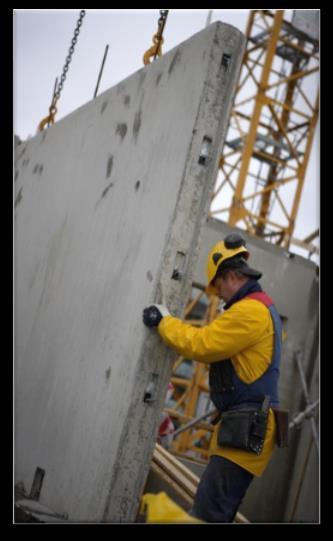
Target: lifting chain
x=156 y=49
x=49 y=119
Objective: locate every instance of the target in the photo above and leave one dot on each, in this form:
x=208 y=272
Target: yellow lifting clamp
x=156 y=49
x=49 y=119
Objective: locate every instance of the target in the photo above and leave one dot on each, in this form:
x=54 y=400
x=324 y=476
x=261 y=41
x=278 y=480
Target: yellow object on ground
x=161 y=509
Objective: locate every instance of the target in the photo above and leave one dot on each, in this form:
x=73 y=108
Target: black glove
x=153 y=314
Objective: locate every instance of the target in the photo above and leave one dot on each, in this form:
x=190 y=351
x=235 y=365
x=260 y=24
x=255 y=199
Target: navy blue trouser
x=221 y=490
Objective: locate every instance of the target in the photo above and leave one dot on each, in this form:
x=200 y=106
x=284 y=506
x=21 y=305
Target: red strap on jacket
x=262 y=297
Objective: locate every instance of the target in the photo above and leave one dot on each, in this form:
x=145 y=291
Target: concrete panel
x=307 y=21
x=108 y=201
x=292 y=281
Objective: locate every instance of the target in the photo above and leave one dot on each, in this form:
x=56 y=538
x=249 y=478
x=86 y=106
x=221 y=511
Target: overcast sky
x=41 y=42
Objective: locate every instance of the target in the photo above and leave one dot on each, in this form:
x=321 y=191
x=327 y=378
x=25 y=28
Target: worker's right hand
x=153 y=314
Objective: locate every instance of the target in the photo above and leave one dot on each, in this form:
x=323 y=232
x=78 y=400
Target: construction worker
x=242 y=347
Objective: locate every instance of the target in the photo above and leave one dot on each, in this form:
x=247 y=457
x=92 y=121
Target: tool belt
x=244 y=428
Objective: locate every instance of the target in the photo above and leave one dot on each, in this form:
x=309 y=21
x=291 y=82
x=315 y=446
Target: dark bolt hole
x=225 y=60
x=147 y=397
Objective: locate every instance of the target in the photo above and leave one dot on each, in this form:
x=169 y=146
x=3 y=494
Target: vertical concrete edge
x=193 y=201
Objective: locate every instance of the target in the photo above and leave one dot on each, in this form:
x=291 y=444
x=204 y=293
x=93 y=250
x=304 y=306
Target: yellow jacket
x=245 y=334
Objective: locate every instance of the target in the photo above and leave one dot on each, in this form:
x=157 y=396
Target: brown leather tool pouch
x=216 y=418
x=282 y=427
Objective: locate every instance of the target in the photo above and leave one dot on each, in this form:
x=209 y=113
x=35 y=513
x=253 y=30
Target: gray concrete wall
x=292 y=282
x=307 y=21
x=104 y=201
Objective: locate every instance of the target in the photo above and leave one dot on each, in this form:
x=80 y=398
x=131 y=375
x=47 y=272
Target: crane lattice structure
x=262 y=170
x=271 y=130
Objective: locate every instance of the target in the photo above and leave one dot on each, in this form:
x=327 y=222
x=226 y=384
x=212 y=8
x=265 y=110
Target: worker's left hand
x=153 y=314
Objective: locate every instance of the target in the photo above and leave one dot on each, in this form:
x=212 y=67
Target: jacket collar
x=251 y=286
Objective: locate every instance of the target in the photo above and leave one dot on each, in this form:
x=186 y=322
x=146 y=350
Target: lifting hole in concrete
x=225 y=61
x=150 y=392
x=178 y=269
x=205 y=150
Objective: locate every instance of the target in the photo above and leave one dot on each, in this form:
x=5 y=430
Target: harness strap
x=262 y=297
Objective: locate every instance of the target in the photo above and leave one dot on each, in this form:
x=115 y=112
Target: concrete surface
x=104 y=201
x=307 y=21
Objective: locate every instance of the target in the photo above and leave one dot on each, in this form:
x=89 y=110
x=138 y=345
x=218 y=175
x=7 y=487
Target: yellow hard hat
x=232 y=245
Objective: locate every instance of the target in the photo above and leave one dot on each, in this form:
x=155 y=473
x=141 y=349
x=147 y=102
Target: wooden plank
x=187 y=485
x=171 y=482
x=173 y=460
x=179 y=477
x=182 y=454
x=175 y=474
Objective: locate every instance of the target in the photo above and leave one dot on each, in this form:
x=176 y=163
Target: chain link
x=162 y=20
x=160 y=28
x=156 y=49
x=69 y=57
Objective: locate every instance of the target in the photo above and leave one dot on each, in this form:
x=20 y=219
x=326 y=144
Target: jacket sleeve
x=235 y=330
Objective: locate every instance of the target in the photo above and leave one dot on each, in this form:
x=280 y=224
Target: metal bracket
x=179 y=266
x=205 y=150
x=150 y=392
